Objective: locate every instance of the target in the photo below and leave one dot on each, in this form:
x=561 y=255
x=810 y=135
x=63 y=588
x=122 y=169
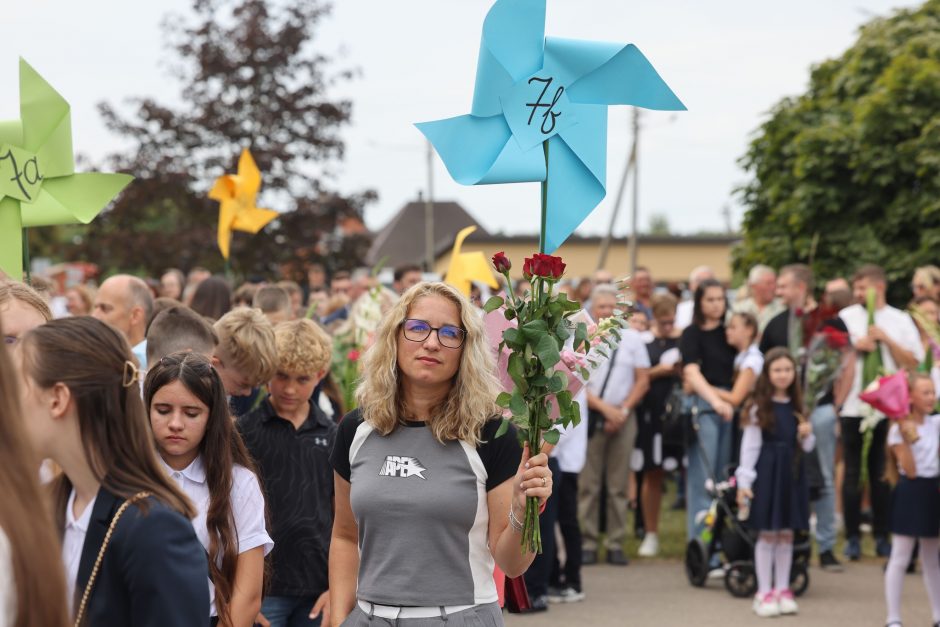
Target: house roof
x=401 y=241
x=482 y=237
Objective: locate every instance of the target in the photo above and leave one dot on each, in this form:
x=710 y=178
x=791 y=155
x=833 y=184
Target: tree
x=849 y=172
x=250 y=79
x=659 y=224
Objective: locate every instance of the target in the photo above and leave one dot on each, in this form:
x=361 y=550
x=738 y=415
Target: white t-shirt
x=899 y=327
x=571 y=451
x=7 y=584
x=247 y=509
x=926 y=449
x=73 y=541
x=631 y=354
x=684 y=311
x=752 y=359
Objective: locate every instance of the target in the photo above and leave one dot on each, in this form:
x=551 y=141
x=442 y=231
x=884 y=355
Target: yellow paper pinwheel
x=237 y=194
x=467 y=267
x=38 y=183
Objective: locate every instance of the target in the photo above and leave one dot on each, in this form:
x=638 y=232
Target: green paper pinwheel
x=38 y=183
x=536 y=96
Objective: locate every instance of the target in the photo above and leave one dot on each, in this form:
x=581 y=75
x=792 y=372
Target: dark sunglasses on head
x=448 y=335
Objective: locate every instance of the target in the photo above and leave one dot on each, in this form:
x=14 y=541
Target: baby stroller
x=726 y=536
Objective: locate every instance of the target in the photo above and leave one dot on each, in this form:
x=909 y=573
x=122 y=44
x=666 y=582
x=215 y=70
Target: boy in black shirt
x=290 y=438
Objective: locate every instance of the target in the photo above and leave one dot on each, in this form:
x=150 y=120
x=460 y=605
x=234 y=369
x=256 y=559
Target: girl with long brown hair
x=203 y=452
x=131 y=555
x=32 y=587
x=772 y=480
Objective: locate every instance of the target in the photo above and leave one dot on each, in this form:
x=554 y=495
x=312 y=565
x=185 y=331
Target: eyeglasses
x=419 y=330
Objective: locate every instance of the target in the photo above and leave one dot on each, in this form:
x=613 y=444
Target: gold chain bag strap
x=104 y=547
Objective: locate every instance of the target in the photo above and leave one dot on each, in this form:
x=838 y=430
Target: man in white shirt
x=614 y=391
x=762 y=302
x=896 y=336
x=685 y=309
x=125 y=302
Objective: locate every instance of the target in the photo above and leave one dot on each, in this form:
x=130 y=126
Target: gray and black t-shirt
x=422 y=511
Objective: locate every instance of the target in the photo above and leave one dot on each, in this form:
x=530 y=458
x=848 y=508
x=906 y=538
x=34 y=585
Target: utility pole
x=429 y=215
x=635 y=159
x=605 y=244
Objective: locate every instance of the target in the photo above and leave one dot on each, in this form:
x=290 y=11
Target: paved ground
x=656 y=593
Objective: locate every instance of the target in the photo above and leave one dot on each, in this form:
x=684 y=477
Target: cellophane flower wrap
x=547 y=347
x=823 y=364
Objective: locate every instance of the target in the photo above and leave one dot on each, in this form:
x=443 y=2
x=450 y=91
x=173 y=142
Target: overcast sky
x=729 y=61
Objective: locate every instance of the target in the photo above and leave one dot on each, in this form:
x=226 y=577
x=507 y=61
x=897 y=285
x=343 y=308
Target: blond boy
x=291 y=438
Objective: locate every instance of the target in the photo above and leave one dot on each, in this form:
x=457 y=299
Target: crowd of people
x=186 y=453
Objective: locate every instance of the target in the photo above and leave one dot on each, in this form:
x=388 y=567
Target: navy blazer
x=153 y=572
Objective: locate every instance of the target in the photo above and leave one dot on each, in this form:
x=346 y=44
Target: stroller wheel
x=740 y=580
x=696 y=562
x=799 y=579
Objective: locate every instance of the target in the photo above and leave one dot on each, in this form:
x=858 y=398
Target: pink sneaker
x=766 y=606
x=786 y=602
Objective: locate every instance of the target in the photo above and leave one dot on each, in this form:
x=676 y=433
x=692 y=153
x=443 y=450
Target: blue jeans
x=714 y=438
x=290 y=611
x=824 y=428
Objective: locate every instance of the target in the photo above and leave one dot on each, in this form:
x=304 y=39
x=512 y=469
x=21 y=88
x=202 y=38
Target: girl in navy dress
x=772 y=478
x=913 y=445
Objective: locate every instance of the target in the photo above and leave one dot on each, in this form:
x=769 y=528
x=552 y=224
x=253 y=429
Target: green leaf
x=516 y=371
x=503 y=428
x=494 y=303
x=547 y=351
x=574 y=413
x=580 y=336
x=564 y=400
x=503 y=399
x=585 y=373
x=513 y=338
x=557 y=383
x=534 y=330
x=539 y=380
x=510 y=314
x=517 y=404
x=561 y=331
x=551 y=436
x=544 y=421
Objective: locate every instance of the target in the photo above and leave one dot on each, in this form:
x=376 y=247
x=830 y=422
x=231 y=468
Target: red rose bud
x=527 y=269
x=501 y=263
x=353 y=355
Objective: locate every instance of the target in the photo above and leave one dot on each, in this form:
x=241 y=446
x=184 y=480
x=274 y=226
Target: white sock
x=783 y=559
x=901 y=549
x=930 y=562
x=764 y=563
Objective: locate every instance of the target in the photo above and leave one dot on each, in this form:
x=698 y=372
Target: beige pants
x=608 y=454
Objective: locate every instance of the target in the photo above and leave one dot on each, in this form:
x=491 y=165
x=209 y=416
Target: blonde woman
x=427 y=497
x=926 y=282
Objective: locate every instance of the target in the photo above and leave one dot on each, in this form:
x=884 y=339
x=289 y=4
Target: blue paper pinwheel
x=538 y=97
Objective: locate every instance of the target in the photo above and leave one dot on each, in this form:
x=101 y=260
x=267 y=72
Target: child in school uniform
x=913 y=467
x=772 y=480
x=204 y=454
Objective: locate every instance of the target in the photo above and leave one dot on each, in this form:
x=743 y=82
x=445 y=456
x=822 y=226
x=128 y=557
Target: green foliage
x=249 y=76
x=849 y=172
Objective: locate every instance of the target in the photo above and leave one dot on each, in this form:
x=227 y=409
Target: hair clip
x=131 y=374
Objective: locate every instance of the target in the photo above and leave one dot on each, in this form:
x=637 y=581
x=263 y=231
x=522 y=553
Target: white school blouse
x=73 y=541
x=925 y=450
x=247 y=509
